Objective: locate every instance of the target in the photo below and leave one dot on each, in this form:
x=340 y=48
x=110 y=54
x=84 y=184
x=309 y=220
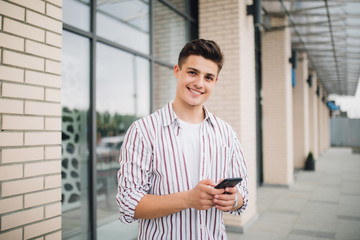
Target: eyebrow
x=196 y=70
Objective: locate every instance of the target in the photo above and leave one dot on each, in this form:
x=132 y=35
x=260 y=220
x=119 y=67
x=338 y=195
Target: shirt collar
x=169 y=116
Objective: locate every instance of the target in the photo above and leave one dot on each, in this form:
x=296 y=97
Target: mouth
x=194 y=91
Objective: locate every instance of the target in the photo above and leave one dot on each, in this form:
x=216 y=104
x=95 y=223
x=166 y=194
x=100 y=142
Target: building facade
x=74 y=74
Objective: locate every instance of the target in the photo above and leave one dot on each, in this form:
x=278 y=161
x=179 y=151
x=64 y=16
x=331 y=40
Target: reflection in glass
x=124 y=22
x=77 y=13
x=179 y=4
x=75 y=152
x=164 y=86
x=170 y=33
x=122 y=95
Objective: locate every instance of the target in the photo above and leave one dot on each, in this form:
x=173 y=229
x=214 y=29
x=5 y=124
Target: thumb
x=208 y=182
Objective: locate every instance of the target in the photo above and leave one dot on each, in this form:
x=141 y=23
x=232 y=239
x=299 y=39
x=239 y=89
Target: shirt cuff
x=127 y=202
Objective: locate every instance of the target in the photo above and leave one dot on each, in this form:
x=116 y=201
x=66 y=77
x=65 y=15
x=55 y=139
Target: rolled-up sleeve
x=239 y=169
x=134 y=174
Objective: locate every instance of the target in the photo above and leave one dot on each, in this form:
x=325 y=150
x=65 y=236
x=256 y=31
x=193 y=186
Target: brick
x=11 y=74
x=16 y=234
x=11 y=172
x=52 y=95
x=42 y=50
x=56 y=2
x=22 y=186
x=53 y=210
x=11 y=106
x=36 y=5
x=53 y=39
x=53 y=236
x=22 y=91
x=53 y=181
x=12 y=11
x=22 y=60
x=42 y=168
x=21 y=218
x=52 y=123
x=54 y=11
x=12 y=42
x=52 y=152
x=11 y=204
x=43 y=197
x=53 y=67
x=14 y=155
x=43 y=79
x=41 y=228
x=43 y=21
x=42 y=138
x=22 y=122
x=41 y=108
x=24 y=30
x=11 y=139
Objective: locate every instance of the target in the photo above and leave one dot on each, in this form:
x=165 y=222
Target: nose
x=199 y=81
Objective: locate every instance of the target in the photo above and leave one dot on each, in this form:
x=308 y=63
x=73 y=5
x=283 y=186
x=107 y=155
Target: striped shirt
x=152 y=162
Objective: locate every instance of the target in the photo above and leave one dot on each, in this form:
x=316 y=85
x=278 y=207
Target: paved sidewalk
x=321 y=204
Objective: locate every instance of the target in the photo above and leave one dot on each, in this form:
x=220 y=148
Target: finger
x=223 y=208
x=225 y=197
x=231 y=190
x=208 y=182
x=224 y=203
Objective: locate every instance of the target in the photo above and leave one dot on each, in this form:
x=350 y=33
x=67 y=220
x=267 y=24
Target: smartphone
x=228 y=182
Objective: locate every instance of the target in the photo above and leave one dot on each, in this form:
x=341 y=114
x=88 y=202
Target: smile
x=194 y=91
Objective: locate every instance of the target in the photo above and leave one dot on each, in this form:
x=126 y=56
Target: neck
x=188 y=113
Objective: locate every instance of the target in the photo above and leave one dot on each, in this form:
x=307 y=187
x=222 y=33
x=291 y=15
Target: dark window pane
x=179 y=4
x=170 y=33
x=77 y=13
x=122 y=95
x=75 y=129
x=164 y=85
x=124 y=22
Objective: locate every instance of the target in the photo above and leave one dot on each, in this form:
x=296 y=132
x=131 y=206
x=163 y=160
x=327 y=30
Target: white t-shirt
x=190 y=141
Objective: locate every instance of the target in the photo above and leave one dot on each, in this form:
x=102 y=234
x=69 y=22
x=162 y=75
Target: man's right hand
x=201 y=197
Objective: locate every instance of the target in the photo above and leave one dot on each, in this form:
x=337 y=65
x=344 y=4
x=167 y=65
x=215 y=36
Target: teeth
x=194 y=91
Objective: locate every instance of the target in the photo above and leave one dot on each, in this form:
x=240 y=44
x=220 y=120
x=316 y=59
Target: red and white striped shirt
x=152 y=162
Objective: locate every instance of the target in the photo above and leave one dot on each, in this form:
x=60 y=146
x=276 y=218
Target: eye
x=209 y=78
x=192 y=73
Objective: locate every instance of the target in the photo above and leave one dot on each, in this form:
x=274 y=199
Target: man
x=171 y=159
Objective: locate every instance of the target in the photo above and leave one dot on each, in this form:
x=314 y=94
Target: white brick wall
x=233 y=98
x=301 y=112
x=313 y=129
x=277 y=106
x=30 y=113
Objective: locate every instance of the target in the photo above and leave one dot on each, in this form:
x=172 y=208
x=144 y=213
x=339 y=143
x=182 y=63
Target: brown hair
x=206 y=48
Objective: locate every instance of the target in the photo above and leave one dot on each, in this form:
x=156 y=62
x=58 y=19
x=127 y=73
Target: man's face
x=196 y=79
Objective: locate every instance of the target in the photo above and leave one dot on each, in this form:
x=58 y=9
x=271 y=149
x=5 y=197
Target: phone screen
x=228 y=182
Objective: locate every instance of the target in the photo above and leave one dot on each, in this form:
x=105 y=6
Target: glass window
x=75 y=151
x=122 y=95
x=124 y=22
x=170 y=33
x=164 y=85
x=180 y=4
x=77 y=13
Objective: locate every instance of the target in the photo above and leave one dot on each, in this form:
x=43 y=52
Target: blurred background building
x=75 y=74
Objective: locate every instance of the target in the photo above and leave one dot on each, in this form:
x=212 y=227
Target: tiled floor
x=319 y=205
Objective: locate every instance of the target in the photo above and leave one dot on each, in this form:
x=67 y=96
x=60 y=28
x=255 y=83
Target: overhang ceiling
x=329 y=32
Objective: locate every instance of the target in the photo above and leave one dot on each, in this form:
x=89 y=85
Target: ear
x=176 y=70
x=217 y=78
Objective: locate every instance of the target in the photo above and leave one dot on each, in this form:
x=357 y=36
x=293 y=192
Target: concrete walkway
x=321 y=204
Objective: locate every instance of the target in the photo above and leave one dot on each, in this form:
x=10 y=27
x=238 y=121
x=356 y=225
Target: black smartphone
x=228 y=182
